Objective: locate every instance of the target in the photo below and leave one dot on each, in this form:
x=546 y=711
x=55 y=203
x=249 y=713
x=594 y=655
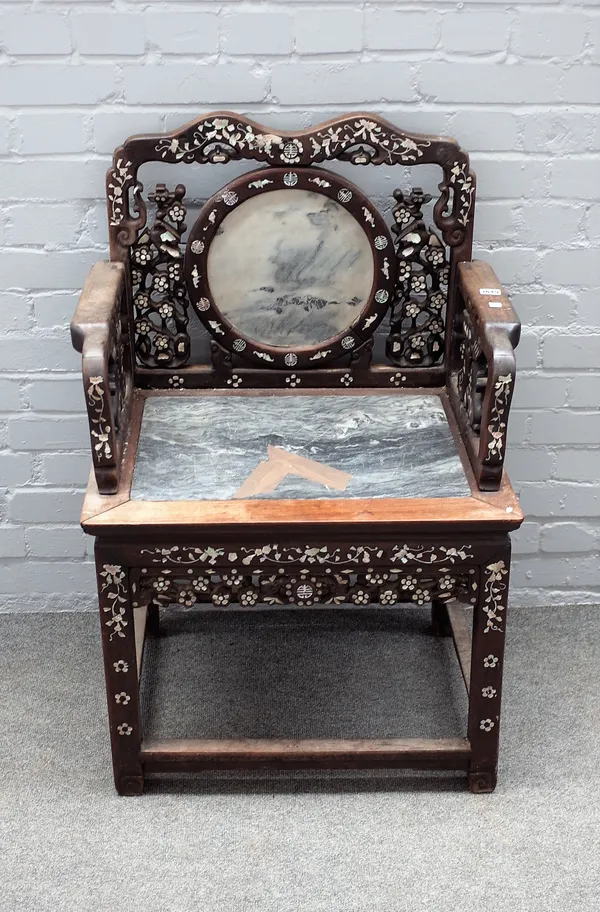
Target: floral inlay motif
x=122 y=698
x=471 y=376
x=490 y=661
x=120 y=666
x=359 y=140
x=462 y=182
x=498 y=418
x=124 y=729
x=309 y=554
x=113 y=593
x=160 y=299
x=488 y=692
x=100 y=425
x=120 y=179
x=305 y=587
x=494 y=597
x=182 y=555
x=417 y=327
x=486 y=725
x=432 y=555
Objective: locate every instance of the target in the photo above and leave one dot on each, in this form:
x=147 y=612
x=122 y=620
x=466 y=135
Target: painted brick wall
x=518 y=85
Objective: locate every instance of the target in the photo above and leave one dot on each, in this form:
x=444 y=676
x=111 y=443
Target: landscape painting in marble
x=205 y=447
x=290 y=268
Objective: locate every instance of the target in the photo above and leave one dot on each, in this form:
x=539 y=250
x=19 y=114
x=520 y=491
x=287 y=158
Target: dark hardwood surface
x=452 y=333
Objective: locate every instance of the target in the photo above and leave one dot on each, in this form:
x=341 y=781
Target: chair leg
x=120 y=670
x=440 y=622
x=487 y=658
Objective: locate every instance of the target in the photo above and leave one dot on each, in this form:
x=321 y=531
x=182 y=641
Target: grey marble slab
x=205 y=447
x=290 y=268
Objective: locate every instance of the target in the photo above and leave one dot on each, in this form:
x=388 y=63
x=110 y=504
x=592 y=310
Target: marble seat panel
x=204 y=447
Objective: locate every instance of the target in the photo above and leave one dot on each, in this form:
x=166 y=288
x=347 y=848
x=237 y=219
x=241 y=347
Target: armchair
x=302 y=399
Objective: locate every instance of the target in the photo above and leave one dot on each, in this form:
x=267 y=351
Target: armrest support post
x=96 y=333
x=482 y=369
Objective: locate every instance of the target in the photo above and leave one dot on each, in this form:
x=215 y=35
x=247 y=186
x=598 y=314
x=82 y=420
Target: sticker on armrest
x=490 y=291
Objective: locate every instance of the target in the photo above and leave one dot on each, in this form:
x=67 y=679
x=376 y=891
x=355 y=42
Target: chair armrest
x=96 y=333
x=489 y=311
x=482 y=368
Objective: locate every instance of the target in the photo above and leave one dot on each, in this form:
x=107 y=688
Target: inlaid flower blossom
x=404 y=270
x=176 y=213
x=124 y=729
x=160 y=283
x=359 y=596
x=377 y=577
x=418 y=284
x=122 y=698
x=201 y=584
x=142 y=255
x=408 y=583
x=113 y=573
x=248 y=597
x=388 y=596
x=435 y=255
x=402 y=216
x=421 y=596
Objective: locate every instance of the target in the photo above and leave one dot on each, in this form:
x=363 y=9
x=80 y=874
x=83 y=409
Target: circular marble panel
x=290 y=268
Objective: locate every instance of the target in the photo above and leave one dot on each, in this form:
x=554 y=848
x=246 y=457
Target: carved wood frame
x=256 y=183
x=359 y=138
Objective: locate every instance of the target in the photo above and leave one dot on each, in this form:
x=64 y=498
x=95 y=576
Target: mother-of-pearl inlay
x=290 y=268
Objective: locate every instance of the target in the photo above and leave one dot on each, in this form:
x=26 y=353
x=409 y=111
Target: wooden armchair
x=291 y=403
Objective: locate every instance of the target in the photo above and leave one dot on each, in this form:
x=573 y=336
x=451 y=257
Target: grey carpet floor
x=374 y=842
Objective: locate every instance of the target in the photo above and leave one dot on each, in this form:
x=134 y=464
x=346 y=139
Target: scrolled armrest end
x=98 y=305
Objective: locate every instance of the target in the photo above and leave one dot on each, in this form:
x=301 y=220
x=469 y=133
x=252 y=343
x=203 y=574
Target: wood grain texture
x=178 y=755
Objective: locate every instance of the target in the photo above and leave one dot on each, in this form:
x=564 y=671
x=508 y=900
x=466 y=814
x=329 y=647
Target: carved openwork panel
x=418 y=318
x=472 y=373
x=306 y=575
x=304 y=588
x=159 y=294
x=108 y=388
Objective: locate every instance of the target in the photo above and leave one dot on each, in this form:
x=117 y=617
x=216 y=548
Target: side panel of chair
x=99 y=330
x=162 y=342
x=482 y=369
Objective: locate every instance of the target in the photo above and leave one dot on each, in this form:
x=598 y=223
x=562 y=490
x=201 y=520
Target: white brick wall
x=518 y=84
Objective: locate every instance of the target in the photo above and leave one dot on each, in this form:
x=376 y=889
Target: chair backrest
x=290 y=267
